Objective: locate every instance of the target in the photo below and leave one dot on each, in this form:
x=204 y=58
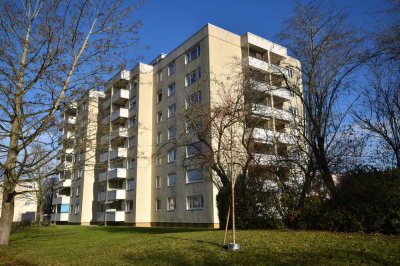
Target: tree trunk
x=7 y=215
x=39 y=217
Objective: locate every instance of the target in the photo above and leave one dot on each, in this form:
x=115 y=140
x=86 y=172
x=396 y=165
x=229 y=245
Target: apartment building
x=75 y=201
x=136 y=175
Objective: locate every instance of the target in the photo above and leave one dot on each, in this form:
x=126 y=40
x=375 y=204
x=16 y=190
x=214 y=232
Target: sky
x=166 y=24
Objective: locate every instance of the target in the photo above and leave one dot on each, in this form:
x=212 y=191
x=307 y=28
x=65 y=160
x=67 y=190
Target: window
x=129 y=205
x=77 y=209
x=132 y=102
x=171 y=68
x=158 y=182
x=193 y=175
x=159 y=96
x=171 y=89
x=159 y=160
x=290 y=72
x=171 y=180
x=131 y=164
x=171 y=204
x=159 y=137
x=192 y=150
x=158 y=205
x=78 y=191
x=72 y=192
x=134 y=85
x=130 y=184
x=80 y=173
x=193 y=99
x=192 y=126
x=192 y=54
x=132 y=121
x=159 y=117
x=171 y=111
x=159 y=76
x=293 y=111
x=192 y=77
x=171 y=156
x=171 y=133
x=194 y=202
x=70 y=209
x=72 y=175
x=131 y=142
x=64 y=208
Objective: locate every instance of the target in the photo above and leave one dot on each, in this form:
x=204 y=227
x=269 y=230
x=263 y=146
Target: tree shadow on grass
x=148 y=230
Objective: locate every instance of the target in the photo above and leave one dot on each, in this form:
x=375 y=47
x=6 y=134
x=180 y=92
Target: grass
x=98 y=245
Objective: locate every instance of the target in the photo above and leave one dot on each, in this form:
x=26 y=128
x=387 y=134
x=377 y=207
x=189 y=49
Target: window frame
x=171 y=111
x=169 y=204
x=171 y=90
x=169 y=184
x=171 y=152
x=192 y=54
x=189 y=208
x=194 y=181
x=172 y=66
x=158 y=181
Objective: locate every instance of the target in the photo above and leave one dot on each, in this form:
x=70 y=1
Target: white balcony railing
x=266 y=111
x=111 y=216
x=59 y=217
x=119 y=113
x=65 y=165
x=66 y=183
x=120 y=132
x=61 y=200
x=264 y=66
x=121 y=96
x=113 y=174
x=117 y=194
x=273 y=90
x=114 y=154
x=270 y=136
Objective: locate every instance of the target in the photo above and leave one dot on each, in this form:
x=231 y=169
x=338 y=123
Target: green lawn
x=98 y=245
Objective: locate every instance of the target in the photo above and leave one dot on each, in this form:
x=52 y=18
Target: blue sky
x=166 y=24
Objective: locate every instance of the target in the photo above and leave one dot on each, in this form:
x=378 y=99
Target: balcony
x=273 y=90
x=119 y=153
x=121 y=113
x=66 y=183
x=70 y=120
x=65 y=165
x=111 y=195
x=61 y=200
x=121 y=78
x=59 y=217
x=105 y=120
x=266 y=111
x=116 y=134
x=265 y=159
x=111 y=216
x=265 y=135
x=120 y=97
x=263 y=66
x=113 y=174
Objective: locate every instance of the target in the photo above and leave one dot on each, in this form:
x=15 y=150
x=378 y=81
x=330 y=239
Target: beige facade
x=75 y=201
x=139 y=176
x=25 y=205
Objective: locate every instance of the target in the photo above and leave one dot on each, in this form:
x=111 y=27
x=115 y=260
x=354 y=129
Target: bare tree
x=51 y=51
x=329 y=51
x=388 y=36
x=379 y=113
